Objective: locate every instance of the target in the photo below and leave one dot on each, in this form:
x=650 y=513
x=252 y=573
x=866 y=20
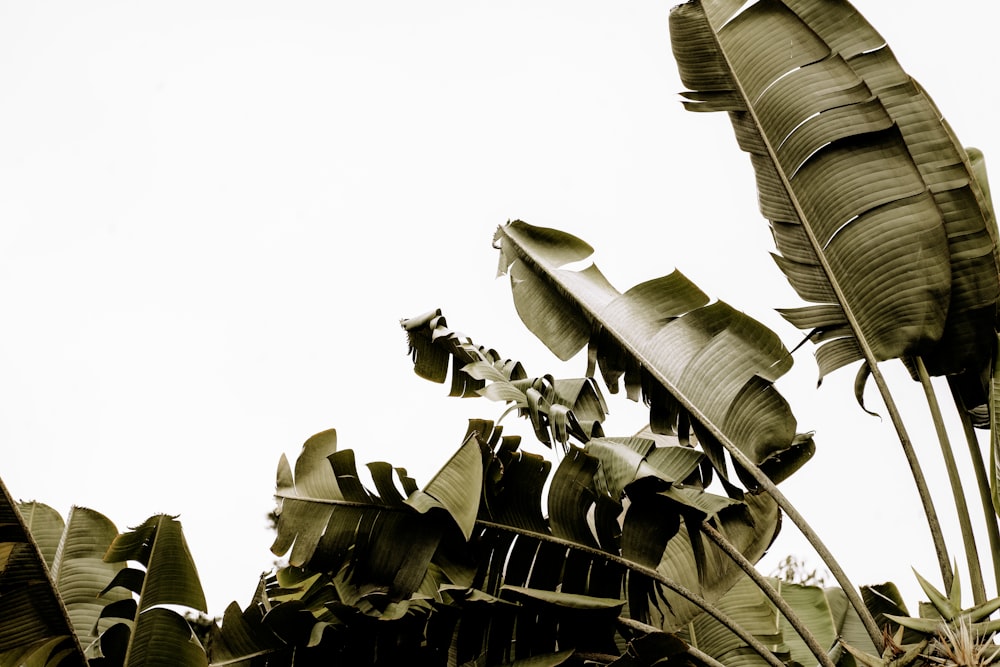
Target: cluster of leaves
x=626 y=551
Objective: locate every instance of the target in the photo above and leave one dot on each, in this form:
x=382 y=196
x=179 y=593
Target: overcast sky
x=214 y=214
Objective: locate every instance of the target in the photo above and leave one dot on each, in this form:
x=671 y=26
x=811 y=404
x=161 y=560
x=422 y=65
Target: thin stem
x=961 y=507
x=703 y=657
x=814 y=540
x=982 y=480
x=724 y=619
x=923 y=491
x=765 y=586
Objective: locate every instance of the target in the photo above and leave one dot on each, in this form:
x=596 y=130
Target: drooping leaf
x=872 y=203
x=708 y=365
x=688 y=558
x=34 y=625
x=557 y=408
x=455 y=488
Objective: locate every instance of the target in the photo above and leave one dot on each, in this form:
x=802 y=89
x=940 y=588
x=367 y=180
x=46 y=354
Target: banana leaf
x=825 y=611
x=557 y=408
x=146 y=632
x=748 y=606
x=361 y=556
x=77 y=565
x=34 y=625
x=876 y=214
x=702 y=366
x=617 y=509
x=383 y=541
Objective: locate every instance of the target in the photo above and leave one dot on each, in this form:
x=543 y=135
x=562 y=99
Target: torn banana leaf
x=699 y=365
x=877 y=216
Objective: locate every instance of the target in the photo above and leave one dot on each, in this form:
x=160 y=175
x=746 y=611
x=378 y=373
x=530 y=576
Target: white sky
x=214 y=215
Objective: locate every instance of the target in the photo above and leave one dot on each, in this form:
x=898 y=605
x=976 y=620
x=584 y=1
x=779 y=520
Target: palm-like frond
x=702 y=366
x=875 y=213
x=34 y=626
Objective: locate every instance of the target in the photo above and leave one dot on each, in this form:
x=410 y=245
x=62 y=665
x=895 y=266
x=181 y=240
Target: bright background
x=213 y=216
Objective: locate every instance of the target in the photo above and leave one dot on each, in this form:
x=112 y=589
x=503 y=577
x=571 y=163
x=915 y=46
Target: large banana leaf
x=699 y=364
x=34 y=626
x=875 y=212
x=74 y=551
x=146 y=632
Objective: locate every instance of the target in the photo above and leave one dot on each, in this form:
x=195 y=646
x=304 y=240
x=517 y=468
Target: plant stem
x=709 y=608
x=814 y=540
x=765 y=586
x=982 y=481
x=923 y=491
x=961 y=507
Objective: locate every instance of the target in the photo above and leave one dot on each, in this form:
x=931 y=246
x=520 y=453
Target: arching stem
x=767 y=589
x=961 y=507
x=982 y=480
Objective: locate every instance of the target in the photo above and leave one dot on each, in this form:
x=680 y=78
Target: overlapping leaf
x=146 y=632
x=80 y=572
x=824 y=611
x=625 y=497
x=866 y=189
x=329 y=520
x=557 y=408
x=698 y=365
x=34 y=625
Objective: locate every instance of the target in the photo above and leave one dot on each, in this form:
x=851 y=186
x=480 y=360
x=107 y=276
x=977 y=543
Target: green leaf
x=455 y=488
x=171 y=576
x=568 y=600
x=163 y=637
x=812 y=606
x=379 y=545
x=946 y=607
x=557 y=408
x=715 y=363
x=748 y=606
x=34 y=624
x=875 y=214
x=750 y=527
x=80 y=572
x=46 y=526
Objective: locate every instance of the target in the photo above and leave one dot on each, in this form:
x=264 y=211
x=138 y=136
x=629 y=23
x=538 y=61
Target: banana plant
x=878 y=217
x=471 y=557
x=675 y=348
